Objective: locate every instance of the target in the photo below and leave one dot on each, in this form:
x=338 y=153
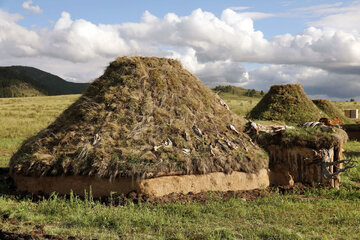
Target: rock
x=168 y=143
x=197 y=131
x=231 y=144
x=232 y=128
x=186 y=136
x=96 y=139
x=224 y=104
x=186 y=151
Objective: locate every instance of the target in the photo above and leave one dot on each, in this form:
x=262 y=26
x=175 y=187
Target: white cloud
x=324 y=48
x=317 y=83
x=16 y=40
x=33 y=9
x=319 y=10
x=213 y=73
x=211 y=37
x=252 y=15
x=345 y=19
x=212 y=47
x=8 y=17
x=81 y=40
x=239 y=8
x=257 y=15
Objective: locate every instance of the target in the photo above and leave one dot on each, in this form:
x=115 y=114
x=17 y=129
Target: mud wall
x=300 y=164
x=352 y=130
x=156 y=187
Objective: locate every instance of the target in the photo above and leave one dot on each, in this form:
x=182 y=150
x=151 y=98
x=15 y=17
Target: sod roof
x=314 y=138
x=287 y=103
x=330 y=110
x=143 y=117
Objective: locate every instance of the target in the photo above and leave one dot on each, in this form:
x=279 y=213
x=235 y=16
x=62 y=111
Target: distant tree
x=252 y=93
x=262 y=93
x=352 y=100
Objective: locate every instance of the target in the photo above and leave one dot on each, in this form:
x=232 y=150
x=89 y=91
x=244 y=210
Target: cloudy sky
x=252 y=44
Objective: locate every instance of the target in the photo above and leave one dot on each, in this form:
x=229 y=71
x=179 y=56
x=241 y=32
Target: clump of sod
x=330 y=110
x=287 y=103
x=314 y=138
x=144 y=117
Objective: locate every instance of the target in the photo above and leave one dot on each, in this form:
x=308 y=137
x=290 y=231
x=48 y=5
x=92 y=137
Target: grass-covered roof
x=330 y=110
x=143 y=117
x=287 y=103
x=314 y=138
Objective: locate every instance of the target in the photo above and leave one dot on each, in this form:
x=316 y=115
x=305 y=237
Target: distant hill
x=238 y=91
x=20 y=81
x=240 y=100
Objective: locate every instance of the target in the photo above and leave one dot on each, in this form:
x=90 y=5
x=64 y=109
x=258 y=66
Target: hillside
x=20 y=81
x=239 y=91
x=240 y=100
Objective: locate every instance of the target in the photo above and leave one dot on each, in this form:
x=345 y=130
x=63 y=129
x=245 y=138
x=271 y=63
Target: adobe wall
x=352 y=130
x=155 y=187
x=289 y=165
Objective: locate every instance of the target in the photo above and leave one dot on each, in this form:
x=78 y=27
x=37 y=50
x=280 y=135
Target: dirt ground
x=8 y=189
x=37 y=234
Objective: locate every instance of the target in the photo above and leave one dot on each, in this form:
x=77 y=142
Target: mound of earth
x=287 y=103
x=329 y=109
x=143 y=118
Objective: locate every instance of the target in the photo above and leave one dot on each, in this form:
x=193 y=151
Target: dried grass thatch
x=314 y=138
x=287 y=103
x=144 y=117
x=329 y=109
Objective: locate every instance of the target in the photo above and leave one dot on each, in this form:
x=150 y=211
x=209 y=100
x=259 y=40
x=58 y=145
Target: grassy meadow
x=24 y=117
x=314 y=213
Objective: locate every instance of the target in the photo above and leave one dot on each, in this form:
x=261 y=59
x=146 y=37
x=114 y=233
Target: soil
x=31 y=236
x=123 y=199
x=205 y=197
x=157 y=187
x=37 y=233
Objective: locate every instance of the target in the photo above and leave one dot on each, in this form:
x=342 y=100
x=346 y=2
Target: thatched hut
x=308 y=154
x=330 y=110
x=146 y=125
x=287 y=103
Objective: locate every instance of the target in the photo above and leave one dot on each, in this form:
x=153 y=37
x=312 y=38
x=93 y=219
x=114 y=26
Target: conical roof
x=287 y=103
x=329 y=109
x=143 y=117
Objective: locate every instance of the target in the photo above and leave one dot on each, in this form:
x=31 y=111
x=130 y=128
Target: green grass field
x=24 y=117
x=311 y=214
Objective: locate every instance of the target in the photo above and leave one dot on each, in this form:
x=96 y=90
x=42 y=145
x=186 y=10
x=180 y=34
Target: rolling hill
x=21 y=81
x=240 y=100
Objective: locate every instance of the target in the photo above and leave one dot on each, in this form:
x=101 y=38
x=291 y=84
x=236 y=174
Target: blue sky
x=117 y=11
x=245 y=43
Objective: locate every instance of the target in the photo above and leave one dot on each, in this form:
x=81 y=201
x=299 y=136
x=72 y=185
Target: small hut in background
x=352 y=113
x=302 y=154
